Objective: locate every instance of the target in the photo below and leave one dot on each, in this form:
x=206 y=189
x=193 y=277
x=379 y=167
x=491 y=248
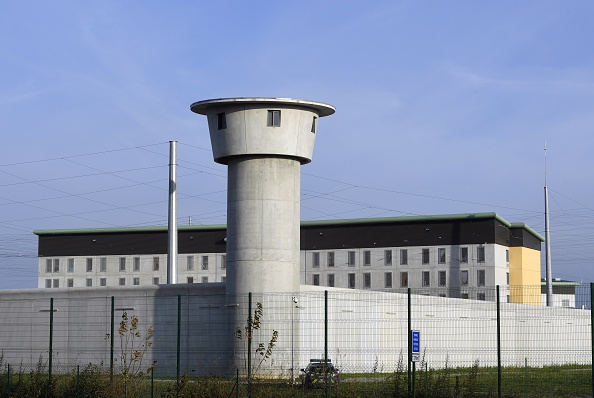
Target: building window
x=480 y=296
x=103 y=264
x=367 y=280
x=565 y=303
x=351 y=259
x=403 y=257
x=463 y=254
x=464 y=278
x=122 y=264
x=507 y=278
x=480 y=254
x=155 y=281
x=70 y=282
x=103 y=282
x=388 y=280
x=89 y=282
x=136 y=264
x=316 y=260
x=464 y=296
x=190 y=266
x=190 y=279
x=70 y=265
x=425 y=256
x=205 y=279
x=367 y=257
x=313 y=124
x=273 y=119
x=315 y=279
x=330 y=259
x=48 y=283
x=56 y=265
x=224 y=262
x=330 y=280
x=441 y=255
x=426 y=279
x=387 y=257
x=221 y=121
x=507 y=256
x=136 y=281
x=122 y=281
x=351 y=281
x=480 y=277
x=89 y=265
x=56 y=283
x=223 y=278
x=48 y=265
x=442 y=278
x=204 y=262
x=155 y=263
x=404 y=279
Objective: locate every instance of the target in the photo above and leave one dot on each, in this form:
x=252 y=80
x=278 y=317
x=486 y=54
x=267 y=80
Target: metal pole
x=549 y=272
x=409 y=343
x=172 y=216
x=77 y=381
x=152 y=381
x=8 y=381
x=51 y=338
x=178 y=342
x=498 y=344
x=592 y=330
x=414 y=367
x=249 y=353
x=292 y=341
x=111 y=340
x=328 y=385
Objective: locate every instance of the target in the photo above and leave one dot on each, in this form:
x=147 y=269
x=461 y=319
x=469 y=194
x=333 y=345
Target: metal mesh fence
x=472 y=342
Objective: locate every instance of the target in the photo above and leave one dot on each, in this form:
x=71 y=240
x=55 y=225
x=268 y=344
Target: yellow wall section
x=524 y=275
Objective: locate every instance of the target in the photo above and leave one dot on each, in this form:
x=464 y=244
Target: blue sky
x=442 y=107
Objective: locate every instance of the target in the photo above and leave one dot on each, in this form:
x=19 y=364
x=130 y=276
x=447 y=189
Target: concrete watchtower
x=263 y=141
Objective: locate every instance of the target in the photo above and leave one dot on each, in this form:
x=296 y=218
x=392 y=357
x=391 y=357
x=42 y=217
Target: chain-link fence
x=487 y=342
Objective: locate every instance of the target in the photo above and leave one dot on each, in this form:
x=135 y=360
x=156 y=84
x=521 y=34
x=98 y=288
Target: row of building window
x=425 y=279
x=53 y=265
x=273 y=119
x=425 y=257
x=55 y=283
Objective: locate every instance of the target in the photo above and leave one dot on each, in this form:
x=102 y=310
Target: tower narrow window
x=273 y=119
x=313 y=124
x=221 y=121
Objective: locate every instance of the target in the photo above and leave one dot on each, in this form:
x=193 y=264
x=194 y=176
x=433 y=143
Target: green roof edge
x=315 y=223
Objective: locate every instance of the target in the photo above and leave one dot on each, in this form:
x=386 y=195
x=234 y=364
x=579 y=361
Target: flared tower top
x=262 y=127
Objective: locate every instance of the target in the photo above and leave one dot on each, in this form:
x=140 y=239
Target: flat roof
x=315 y=223
x=321 y=108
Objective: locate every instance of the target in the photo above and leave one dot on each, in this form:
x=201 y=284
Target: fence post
x=249 y=342
x=592 y=327
x=111 y=341
x=409 y=348
x=51 y=338
x=498 y=344
x=327 y=385
x=8 y=381
x=77 y=381
x=152 y=380
x=178 y=341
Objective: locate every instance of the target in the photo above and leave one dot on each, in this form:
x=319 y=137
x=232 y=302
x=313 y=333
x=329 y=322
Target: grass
x=552 y=381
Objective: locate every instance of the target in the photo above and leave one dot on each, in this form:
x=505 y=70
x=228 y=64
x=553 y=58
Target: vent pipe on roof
x=172 y=216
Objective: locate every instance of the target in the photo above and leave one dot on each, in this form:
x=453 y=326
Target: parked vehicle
x=317 y=372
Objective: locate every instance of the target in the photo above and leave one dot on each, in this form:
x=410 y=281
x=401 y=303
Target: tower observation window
x=273 y=119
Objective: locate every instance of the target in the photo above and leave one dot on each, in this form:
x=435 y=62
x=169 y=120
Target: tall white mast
x=549 y=272
x=172 y=216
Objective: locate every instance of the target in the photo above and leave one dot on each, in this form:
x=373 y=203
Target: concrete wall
x=367 y=330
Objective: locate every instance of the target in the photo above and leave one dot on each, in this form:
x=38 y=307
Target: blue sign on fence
x=416 y=345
